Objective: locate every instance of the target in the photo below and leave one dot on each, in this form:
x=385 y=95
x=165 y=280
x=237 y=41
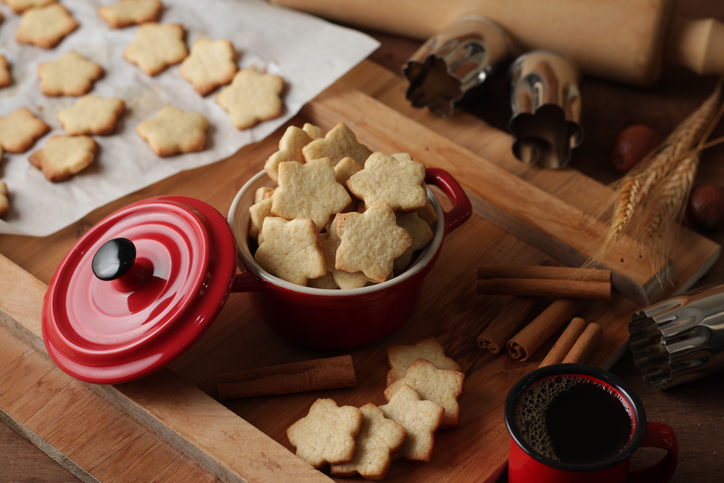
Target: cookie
x=421 y=234
x=421 y=419
x=370 y=241
x=263 y=193
x=64 y=156
x=309 y=191
x=326 y=434
x=441 y=386
x=45 y=26
x=342 y=279
x=377 y=439
x=325 y=282
x=211 y=64
x=19 y=6
x=338 y=143
x=345 y=169
x=130 y=12
x=173 y=131
x=289 y=250
x=258 y=213
x=92 y=115
x=400 y=357
x=156 y=47
x=399 y=182
x=5 y=78
x=4 y=202
x=252 y=97
x=290 y=149
x=428 y=214
x=70 y=75
x=20 y=130
x=315 y=132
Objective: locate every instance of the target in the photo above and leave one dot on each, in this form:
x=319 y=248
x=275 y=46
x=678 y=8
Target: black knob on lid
x=114 y=259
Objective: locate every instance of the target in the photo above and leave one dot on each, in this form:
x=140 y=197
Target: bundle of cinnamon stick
x=530 y=318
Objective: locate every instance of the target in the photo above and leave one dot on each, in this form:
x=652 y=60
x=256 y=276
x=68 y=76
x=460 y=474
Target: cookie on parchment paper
x=5 y=78
x=45 y=26
x=252 y=97
x=173 y=131
x=19 y=6
x=211 y=63
x=20 y=130
x=92 y=115
x=377 y=439
x=130 y=12
x=156 y=47
x=327 y=434
x=70 y=75
x=64 y=156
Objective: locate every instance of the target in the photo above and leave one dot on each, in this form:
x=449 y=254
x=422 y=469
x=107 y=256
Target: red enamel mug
x=572 y=423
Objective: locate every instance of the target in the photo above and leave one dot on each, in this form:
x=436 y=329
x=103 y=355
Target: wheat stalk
x=657 y=190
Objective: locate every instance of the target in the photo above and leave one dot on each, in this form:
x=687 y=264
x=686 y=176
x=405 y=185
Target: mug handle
x=658 y=436
x=462 y=209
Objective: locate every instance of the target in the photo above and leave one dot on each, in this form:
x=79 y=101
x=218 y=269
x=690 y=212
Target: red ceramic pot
x=526 y=465
x=143 y=285
x=340 y=318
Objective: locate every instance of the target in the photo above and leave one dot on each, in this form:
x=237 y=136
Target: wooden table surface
x=694 y=410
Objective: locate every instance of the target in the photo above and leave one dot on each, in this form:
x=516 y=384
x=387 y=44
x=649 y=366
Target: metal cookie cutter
x=680 y=339
x=546 y=104
x=454 y=61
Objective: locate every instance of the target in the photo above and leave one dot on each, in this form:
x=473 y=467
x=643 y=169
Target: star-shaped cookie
x=400 y=357
x=342 y=279
x=173 y=131
x=64 y=156
x=45 y=26
x=309 y=191
x=252 y=97
x=370 y=241
x=5 y=78
x=387 y=178
x=290 y=250
x=19 y=6
x=378 y=438
x=420 y=232
x=19 y=130
x=338 y=143
x=419 y=418
x=130 y=12
x=326 y=434
x=70 y=75
x=441 y=386
x=92 y=115
x=211 y=64
x=290 y=149
x=156 y=47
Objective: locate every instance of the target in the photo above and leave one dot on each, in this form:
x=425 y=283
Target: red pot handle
x=658 y=436
x=462 y=209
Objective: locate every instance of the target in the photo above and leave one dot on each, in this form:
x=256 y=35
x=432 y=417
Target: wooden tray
x=523 y=215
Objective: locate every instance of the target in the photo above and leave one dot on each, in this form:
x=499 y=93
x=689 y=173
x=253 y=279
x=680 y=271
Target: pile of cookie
x=340 y=216
x=423 y=388
x=249 y=96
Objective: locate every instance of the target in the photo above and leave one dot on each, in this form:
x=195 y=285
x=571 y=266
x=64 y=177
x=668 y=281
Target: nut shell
x=706 y=207
x=631 y=145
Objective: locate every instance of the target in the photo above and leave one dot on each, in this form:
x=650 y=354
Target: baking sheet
x=309 y=53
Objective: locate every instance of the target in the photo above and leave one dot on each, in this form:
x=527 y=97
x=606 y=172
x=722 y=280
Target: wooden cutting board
x=522 y=215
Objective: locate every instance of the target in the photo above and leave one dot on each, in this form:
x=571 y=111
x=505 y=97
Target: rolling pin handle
x=696 y=44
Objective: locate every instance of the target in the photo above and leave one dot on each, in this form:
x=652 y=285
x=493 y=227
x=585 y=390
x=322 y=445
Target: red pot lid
x=163 y=274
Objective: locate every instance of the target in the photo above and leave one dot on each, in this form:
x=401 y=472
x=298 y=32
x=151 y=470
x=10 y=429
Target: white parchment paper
x=309 y=53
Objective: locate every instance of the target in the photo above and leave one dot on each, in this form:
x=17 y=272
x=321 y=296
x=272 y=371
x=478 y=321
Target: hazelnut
x=631 y=145
x=706 y=207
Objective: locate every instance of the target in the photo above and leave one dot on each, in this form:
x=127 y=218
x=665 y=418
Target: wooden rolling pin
x=620 y=40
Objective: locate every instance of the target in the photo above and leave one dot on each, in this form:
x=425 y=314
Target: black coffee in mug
x=574 y=419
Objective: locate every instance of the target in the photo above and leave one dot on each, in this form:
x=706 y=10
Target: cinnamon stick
x=565 y=342
x=330 y=373
x=544 y=272
x=518 y=312
x=532 y=336
x=584 y=346
x=539 y=287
